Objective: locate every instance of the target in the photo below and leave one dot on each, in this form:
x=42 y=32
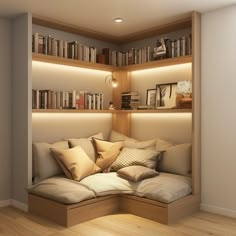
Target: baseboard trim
x=5 y=203
x=218 y=210
x=19 y=205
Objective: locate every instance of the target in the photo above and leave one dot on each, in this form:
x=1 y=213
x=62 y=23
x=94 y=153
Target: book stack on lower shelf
x=130 y=100
x=48 y=99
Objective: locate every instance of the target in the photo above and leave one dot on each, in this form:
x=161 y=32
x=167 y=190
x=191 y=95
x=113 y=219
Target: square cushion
x=134 y=156
x=163 y=144
x=75 y=163
x=86 y=144
x=176 y=160
x=45 y=164
x=107 y=152
x=116 y=136
x=132 y=143
x=136 y=173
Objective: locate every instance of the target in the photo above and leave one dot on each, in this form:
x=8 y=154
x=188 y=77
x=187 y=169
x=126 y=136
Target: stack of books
x=48 y=99
x=51 y=46
x=130 y=100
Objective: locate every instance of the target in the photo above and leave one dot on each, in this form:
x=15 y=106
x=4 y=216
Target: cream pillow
x=86 y=144
x=116 y=136
x=75 y=163
x=45 y=165
x=107 y=152
x=134 y=156
x=132 y=143
x=176 y=160
x=163 y=144
x=136 y=173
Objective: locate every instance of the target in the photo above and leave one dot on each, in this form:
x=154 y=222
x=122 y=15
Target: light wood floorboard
x=14 y=222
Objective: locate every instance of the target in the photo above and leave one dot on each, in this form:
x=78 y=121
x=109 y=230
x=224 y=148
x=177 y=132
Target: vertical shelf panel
x=124 y=80
x=121 y=122
x=196 y=123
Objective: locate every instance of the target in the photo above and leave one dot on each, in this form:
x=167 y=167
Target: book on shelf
x=49 y=45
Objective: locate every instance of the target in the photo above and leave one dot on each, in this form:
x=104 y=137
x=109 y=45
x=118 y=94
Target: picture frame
x=166 y=96
x=151 y=97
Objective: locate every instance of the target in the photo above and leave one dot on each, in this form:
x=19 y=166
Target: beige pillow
x=86 y=144
x=132 y=143
x=136 y=173
x=75 y=163
x=163 y=144
x=134 y=156
x=116 y=136
x=44 y=164
x=176 y=160
x=148 y=144
x=107 y=152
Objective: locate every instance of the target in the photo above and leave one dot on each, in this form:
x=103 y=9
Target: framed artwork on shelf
x=166 y=96
x=151 y=98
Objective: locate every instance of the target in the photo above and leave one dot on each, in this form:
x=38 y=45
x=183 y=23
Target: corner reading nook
x=70 y=101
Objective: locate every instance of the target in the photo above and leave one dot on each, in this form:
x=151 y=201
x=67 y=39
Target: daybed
x=163 y=198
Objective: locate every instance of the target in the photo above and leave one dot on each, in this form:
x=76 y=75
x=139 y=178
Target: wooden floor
x=16 y=223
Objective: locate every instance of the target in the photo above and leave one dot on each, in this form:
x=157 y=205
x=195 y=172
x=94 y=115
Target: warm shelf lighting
x=118 y=20
x=114 y=83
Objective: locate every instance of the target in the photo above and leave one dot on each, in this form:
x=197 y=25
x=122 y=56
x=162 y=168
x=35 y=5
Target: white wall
x=5 y=105
x=219 y=111
x=21 y=106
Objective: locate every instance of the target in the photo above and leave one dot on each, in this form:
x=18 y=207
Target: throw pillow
x=75 y=163
x=163 y=144
x=107 y=152
x=116 y=136
x=176 y=160
x=44 y=164
x=134 y=156
x=86 y=144
x=136 y=173
x=132 y=143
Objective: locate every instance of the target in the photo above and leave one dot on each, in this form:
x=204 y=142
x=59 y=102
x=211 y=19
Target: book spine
x=36 y=42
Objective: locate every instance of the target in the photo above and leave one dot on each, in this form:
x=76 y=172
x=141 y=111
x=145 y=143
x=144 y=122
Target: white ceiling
x=98 y=15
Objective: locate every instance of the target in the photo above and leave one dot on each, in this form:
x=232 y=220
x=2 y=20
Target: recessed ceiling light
x=118 y=20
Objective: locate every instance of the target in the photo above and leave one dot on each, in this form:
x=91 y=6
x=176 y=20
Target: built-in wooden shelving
x=71 y=62
x=97 y=66
x=111 y=111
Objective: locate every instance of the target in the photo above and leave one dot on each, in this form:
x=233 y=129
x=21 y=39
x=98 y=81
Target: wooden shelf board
x=158 y=63
x=97 y=66
x=71 y=62
x=157 y=111
x=69 y=111
x=111 y=111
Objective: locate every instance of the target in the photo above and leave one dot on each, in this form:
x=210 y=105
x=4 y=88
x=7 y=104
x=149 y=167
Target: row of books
x=61 y=48
x=48 y=99
x=132 y=56
x=130 y=100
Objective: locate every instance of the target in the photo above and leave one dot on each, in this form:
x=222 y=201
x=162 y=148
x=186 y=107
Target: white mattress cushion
x=62 y=190
x=108 y=183
x=165 y=188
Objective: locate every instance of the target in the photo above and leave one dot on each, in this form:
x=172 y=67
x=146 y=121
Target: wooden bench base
x=69 y=215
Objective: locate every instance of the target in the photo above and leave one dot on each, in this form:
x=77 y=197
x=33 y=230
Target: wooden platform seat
x=164 y=198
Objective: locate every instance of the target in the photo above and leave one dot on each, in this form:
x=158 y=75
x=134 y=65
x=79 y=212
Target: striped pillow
x=134 y=156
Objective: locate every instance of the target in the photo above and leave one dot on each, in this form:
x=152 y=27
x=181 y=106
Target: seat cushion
x=108 y=183
x=165 y=188
x=62 y=190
